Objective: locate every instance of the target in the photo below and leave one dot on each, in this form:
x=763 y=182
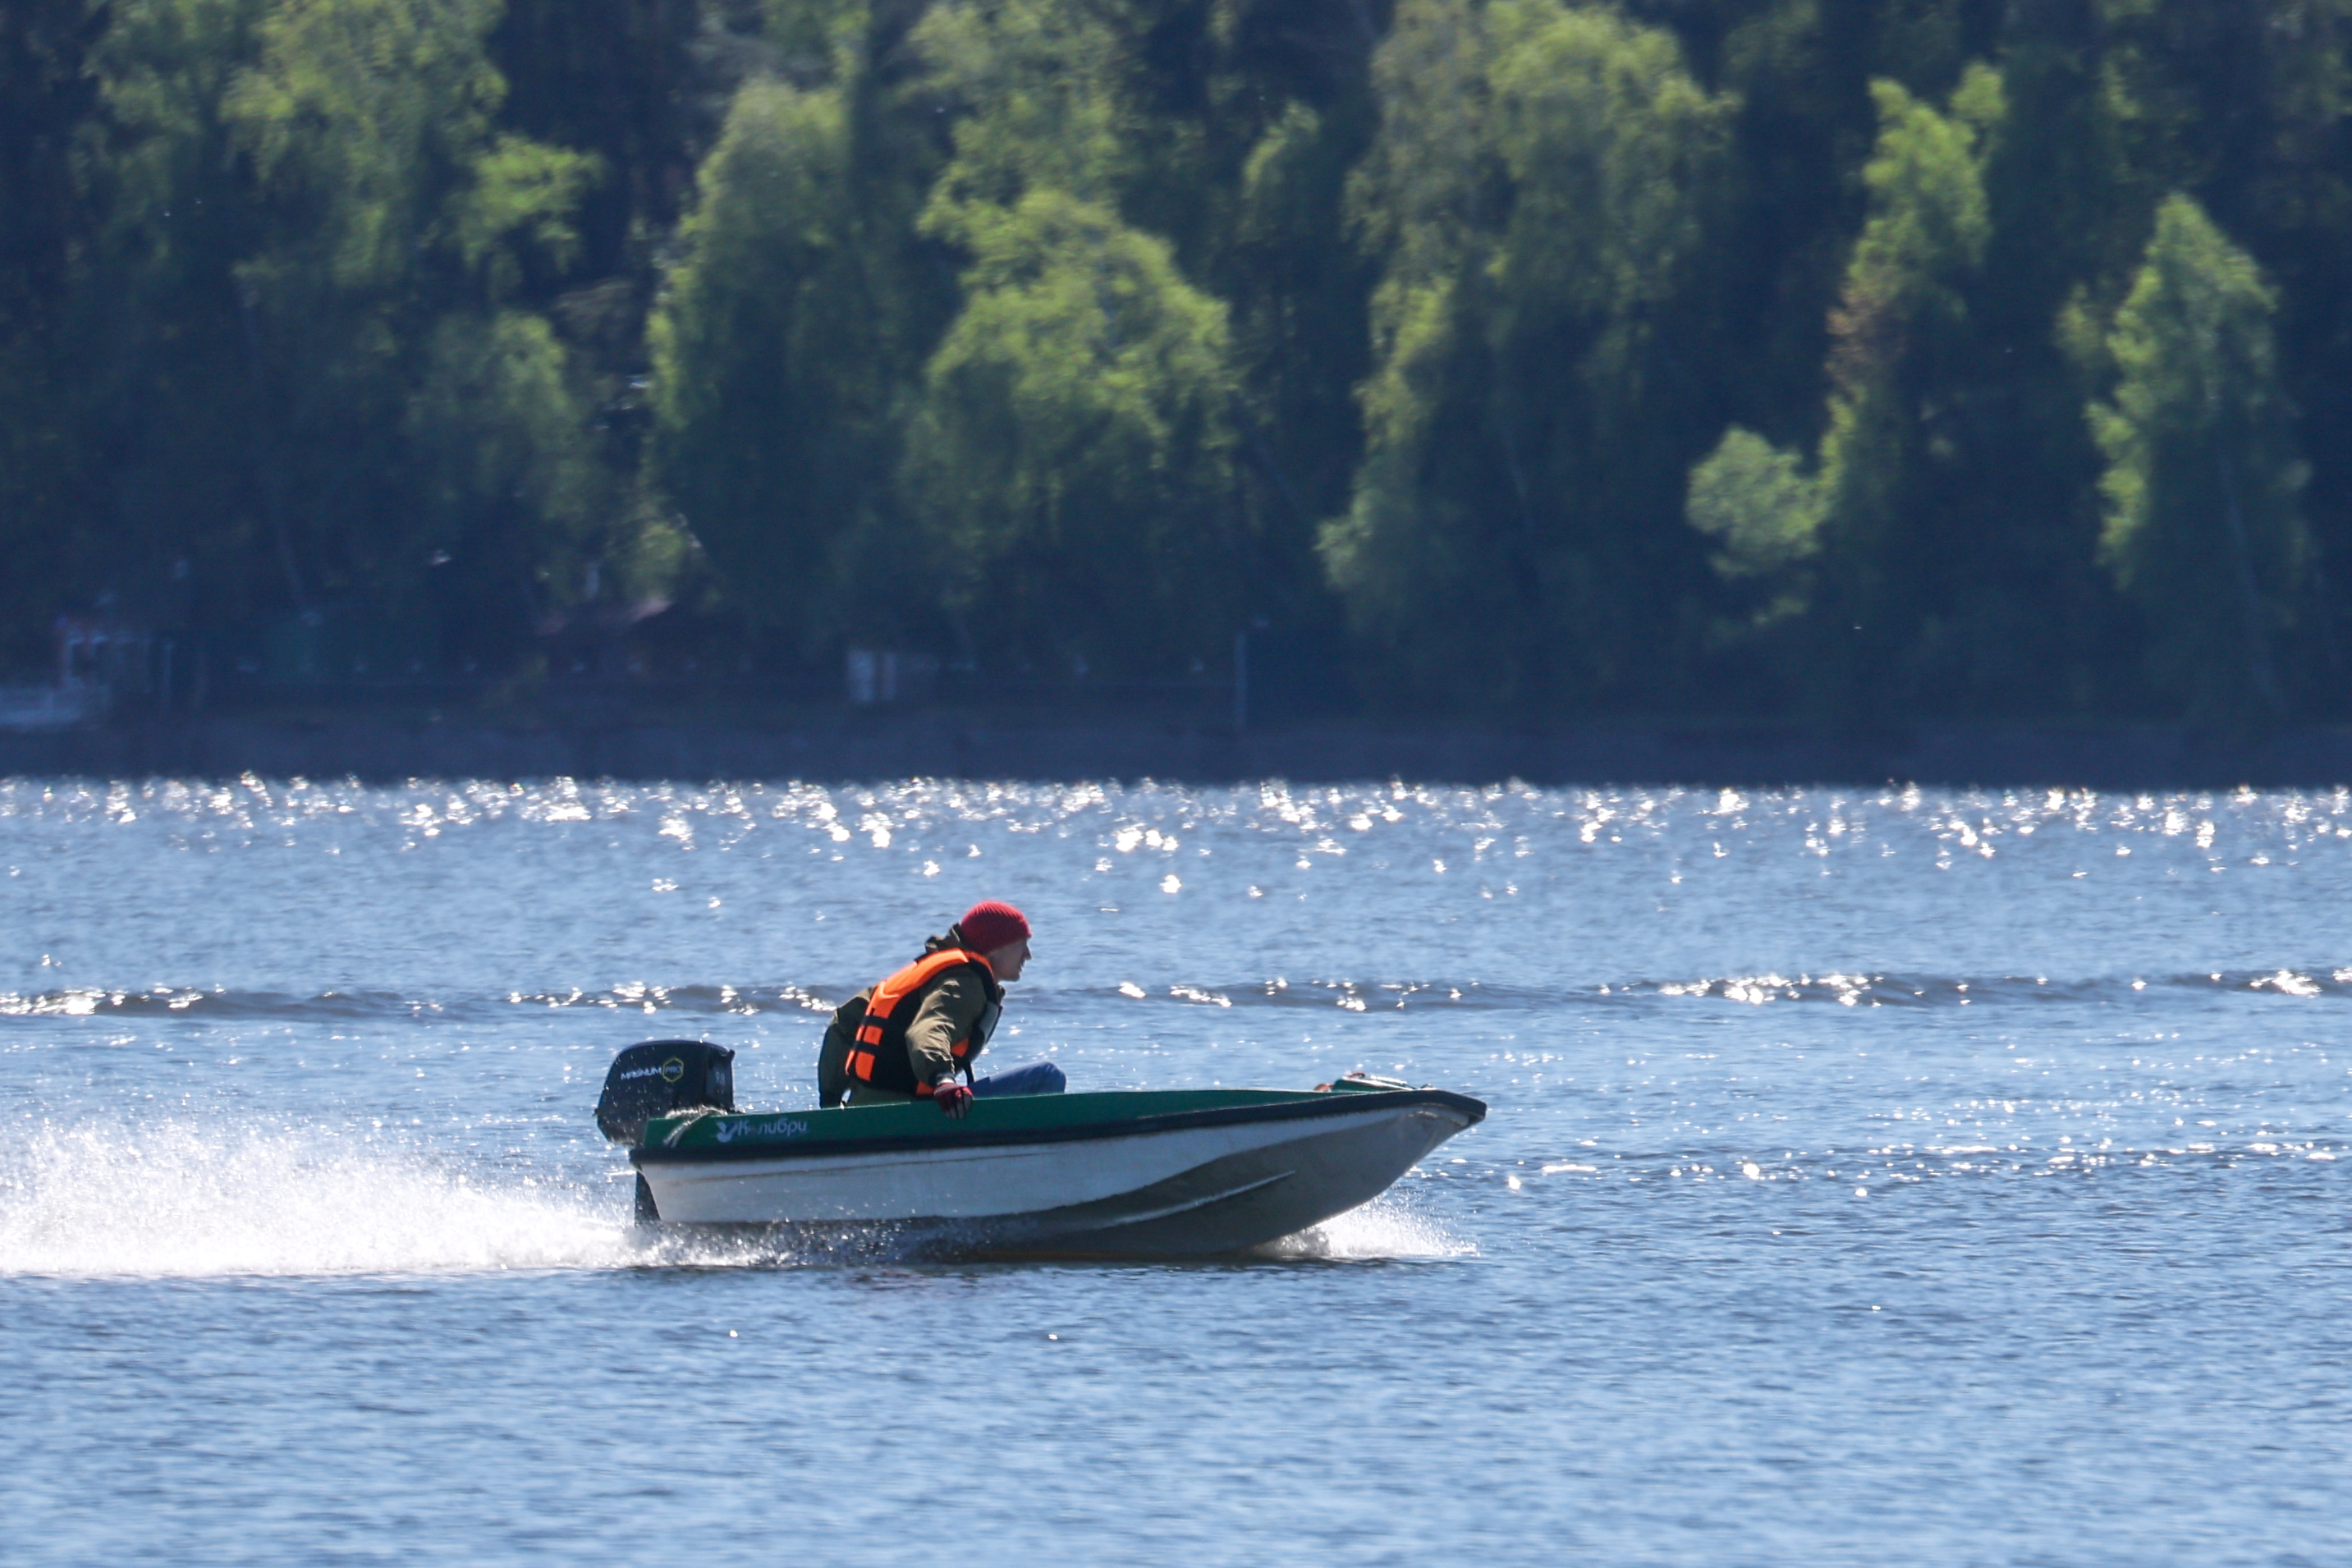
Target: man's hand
x=953 y=1098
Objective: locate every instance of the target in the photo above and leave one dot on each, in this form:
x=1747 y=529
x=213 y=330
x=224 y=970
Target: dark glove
x=953 y=1098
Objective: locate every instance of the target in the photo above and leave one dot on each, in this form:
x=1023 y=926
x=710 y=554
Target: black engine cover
x=658 y=1077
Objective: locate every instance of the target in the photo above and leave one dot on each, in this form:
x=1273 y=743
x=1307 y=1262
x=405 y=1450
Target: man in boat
x=909 y=1036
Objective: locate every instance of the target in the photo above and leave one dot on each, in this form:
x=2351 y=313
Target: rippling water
x=1872 y=1177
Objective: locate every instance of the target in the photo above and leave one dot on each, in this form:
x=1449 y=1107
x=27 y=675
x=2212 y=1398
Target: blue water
x=1872 y=1178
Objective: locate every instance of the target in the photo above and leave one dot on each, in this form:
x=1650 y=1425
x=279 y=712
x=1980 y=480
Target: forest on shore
x=1833 y=360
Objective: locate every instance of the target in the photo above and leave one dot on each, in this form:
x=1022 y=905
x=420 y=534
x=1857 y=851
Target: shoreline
x=873 y=744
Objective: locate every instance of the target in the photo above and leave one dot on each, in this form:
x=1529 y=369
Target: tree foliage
x=317 y=384
x=1538 y=194
x=768 y=397
x=2203 y=531
x=1070 y=457
x=1820 y=357
x=1069 y=449
x=1755 y=501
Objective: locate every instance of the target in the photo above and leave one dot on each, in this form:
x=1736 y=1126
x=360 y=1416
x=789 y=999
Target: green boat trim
x=696 y=1137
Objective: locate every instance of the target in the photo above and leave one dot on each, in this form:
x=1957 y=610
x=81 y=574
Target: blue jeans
x=1029 y=1078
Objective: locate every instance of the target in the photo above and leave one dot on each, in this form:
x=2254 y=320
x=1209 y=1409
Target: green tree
x=791 y=328
x=617 y=79
x=504 y=429
x=312 y=208
x=1895 y=335
x=2244 y=108
x=1765 y=513
x=372 y=128
x=1805 y=121
x=2203 y=531
x=1537 y=195
x=1901 y=308
x=173 y=389
x=1070 y=453
x=1256 y=111
x=395 y=215
x=1038 y=91
x=771 y=349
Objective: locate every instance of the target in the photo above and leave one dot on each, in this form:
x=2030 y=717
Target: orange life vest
x=879 y=1055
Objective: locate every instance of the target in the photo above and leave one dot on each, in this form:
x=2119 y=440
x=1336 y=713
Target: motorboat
x=1149 y=1172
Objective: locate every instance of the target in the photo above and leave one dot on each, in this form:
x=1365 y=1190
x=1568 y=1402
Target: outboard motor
x=660 y=1076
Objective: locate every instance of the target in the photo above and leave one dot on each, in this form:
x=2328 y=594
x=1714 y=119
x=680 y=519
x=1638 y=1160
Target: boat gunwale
x=1311 y=1106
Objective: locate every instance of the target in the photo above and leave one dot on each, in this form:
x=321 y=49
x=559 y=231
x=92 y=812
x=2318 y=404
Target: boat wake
x=181 y=1201
x=1386 y=1227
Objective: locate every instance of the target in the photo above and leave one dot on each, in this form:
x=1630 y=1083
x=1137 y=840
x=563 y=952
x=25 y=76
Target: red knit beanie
x=991 y=924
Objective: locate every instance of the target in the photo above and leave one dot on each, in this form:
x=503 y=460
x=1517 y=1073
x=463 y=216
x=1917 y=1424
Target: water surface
x=1872 y=1177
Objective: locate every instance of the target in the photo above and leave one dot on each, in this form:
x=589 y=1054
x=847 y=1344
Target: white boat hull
x=1192 y=1189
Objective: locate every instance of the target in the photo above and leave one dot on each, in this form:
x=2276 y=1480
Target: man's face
x=1006 y=960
